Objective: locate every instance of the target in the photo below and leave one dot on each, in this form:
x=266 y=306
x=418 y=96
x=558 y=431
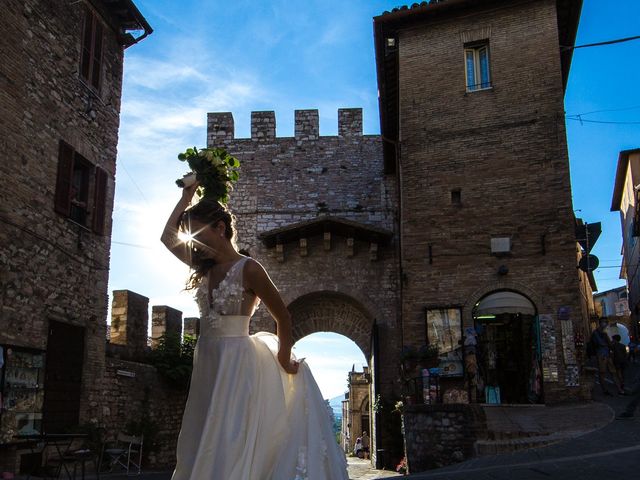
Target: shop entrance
x=508 y=347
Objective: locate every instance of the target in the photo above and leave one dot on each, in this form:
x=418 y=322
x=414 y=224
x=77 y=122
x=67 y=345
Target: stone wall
x=50 y=267
x=135 y=392
x=503 y=151
x=440 y=435
x=286 y=180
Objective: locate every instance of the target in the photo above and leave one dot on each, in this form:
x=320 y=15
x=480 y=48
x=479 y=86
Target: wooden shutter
x=63 y=184
x=87 y=45
x=96 y=70
x=99 y=201
x=92 y=43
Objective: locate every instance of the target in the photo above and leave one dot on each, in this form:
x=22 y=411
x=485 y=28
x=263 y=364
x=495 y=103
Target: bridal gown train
x=245 y=417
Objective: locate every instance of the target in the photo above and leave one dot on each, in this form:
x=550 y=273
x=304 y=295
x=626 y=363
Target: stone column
x=192 y=326
x=164 y=319
x=129 y=320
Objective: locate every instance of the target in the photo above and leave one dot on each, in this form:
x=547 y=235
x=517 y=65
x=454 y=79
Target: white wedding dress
x=245 y=417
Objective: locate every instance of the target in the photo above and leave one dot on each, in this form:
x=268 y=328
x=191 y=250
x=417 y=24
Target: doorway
x=63 y=377
x=508 y=348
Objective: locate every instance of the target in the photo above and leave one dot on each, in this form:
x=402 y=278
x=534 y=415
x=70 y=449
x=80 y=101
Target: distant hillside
x=336 y=405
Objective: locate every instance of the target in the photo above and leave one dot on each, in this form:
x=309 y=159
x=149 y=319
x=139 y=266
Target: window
x=91 y=61
x=477 y=67
x=76 y=177
x=456 y=196
x=444 y=328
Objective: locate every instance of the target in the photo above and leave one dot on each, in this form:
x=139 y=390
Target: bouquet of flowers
x=214 y=168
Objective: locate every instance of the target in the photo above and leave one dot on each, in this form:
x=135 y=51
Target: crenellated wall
x=331 y=281
x=133 y=390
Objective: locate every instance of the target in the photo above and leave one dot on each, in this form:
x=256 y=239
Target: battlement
x=220 y=125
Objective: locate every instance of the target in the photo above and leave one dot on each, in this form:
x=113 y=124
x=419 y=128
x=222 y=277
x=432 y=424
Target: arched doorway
x=335 y=312
x=508 y=347
x=332 y=312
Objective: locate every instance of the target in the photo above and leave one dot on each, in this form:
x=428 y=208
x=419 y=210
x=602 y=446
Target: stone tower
x=471 y=107
x=60 y=86
x=319 y=213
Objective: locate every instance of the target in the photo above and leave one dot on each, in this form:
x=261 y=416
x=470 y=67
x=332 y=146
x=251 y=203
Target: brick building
x=60 y=86
x=318 y=212
x=455 y=224
x=356 y=409
x=471 y=104
x=626 y=196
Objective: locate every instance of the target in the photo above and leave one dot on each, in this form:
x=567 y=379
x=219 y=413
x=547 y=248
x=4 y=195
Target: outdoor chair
x=125 y=453
x=60 y=456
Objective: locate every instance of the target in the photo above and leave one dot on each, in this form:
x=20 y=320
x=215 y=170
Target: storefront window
x=21 y=392
x=444 y=329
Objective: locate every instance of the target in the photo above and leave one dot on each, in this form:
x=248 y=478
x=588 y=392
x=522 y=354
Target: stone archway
x=504 y=285
x=332 y=312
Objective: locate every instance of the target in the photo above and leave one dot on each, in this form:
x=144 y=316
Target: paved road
x=361 y=470
x=358 y=470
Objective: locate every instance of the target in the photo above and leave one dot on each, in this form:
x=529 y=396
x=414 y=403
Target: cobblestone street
x=361 y=470
x=358 y=470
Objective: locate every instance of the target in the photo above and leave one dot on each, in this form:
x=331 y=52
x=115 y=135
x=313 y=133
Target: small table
x=61 y=443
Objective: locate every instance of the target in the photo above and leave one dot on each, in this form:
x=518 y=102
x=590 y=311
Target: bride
x=253 y=411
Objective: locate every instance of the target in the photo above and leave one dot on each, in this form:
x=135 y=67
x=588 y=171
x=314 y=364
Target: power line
x=146 y=247
x=635 y=107
x=599 y=44
x=581 y=120
x=73 y=256
x=121 y=163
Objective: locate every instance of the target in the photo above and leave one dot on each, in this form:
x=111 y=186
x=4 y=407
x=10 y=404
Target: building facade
x=319 y=213
x=356 y=409
x=454 y=227
x=625 y=200
x=612 y=303
x=61 y=80
x=473 y=121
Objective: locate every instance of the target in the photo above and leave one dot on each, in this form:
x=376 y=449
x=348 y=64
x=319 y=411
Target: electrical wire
x=146 y=247
x=635 y=107
x=121 y=163
x=583 y=120
x=73 y=256
x=599 y=44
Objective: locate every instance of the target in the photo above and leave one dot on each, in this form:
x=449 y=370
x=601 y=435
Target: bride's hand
x=190 y=191
x=290 y=366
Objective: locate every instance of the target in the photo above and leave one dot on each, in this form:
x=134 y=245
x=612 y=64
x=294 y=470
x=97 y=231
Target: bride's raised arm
x=169 y=235
x=259 y=282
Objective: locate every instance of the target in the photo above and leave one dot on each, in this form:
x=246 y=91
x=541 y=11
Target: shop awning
x=505 y=302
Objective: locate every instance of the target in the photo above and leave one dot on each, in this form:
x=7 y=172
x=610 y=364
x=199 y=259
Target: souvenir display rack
x=21 y=392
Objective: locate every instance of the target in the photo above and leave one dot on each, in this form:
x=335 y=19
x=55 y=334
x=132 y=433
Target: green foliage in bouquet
x=215 y=169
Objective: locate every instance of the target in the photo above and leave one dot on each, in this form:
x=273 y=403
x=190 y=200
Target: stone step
x=485 y=448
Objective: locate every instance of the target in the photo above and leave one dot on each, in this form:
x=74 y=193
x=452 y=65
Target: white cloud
x=158 y=74
x=330 y=371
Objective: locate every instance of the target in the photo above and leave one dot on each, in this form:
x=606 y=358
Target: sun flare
x=185 y=237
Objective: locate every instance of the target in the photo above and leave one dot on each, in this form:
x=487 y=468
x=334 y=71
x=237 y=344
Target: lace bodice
x=227 y=299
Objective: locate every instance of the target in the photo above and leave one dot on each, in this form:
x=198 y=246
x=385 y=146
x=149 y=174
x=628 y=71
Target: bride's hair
x=207 y=212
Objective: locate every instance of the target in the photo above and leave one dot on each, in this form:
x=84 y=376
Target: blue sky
x=207 y=56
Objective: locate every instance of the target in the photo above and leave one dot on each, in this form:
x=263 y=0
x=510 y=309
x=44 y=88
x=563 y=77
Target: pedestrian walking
x=620 y=357
x=602 y=346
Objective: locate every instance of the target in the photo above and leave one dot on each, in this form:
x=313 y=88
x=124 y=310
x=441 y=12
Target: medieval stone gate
x=319 y=213
x=332 y=312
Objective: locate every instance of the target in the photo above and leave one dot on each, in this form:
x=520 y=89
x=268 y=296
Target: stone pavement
x=361 y=470
x=358 y=470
